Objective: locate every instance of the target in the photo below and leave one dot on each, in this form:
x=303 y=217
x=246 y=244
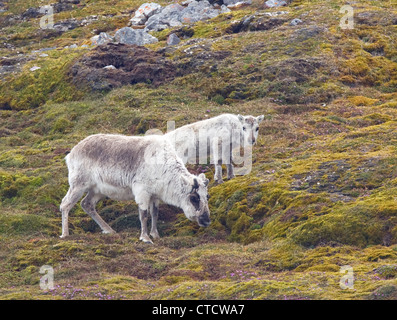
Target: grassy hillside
x=321 y=194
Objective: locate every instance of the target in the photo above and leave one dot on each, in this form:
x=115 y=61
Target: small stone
x=94 y=40
x=295 y=22
x=173 y=39
x=34 y=68
x=104 y=38
x=110 y=67
x=237 y=4
x=139 y=37
x=275 y=3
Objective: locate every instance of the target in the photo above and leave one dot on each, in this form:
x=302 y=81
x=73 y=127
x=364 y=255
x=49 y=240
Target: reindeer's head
x=250 y=126
x=196 y=201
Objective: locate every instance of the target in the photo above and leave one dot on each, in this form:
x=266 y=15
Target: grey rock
x=173 y=39
x=63 y=26
x=31 y=13
x=175 y=15
x=44 y=49
x=224 y=9
x=156 y=23
x=103 y=37
x=144 y=12
x=170 y=16
x=62 y=6
x=234 y=4
x=110 y=67
x=295 y=22
x=139 y=37
x=275 y=3
x=197 y=11
x=138 y=21
x=69 y=1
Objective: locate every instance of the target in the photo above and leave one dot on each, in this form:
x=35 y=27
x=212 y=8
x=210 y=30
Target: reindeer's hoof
x=146 y=240
x=219 y=181
x=111 y=231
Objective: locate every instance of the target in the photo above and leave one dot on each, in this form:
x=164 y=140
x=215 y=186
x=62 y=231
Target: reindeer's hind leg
x=72 y=196
x=154 y=211
x=217 y=160
x=142 y=198
x=88 y=205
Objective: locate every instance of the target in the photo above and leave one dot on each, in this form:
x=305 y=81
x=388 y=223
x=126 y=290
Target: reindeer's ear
x=195 y=184
x=240 y=117
x=260 y=118
x=204 y=179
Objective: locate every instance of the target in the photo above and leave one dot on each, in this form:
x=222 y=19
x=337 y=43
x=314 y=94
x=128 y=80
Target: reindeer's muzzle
x=204 y=220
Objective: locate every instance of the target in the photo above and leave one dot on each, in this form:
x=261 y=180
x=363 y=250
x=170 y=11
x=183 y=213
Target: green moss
x=62 y=125
x=387 y=271
x=380 y=253
x=362 y=101
x=24 y=224
x=385 y=292
x=30 y=89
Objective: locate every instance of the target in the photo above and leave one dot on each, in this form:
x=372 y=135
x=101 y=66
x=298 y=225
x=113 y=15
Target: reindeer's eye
x=257 y=129
x=244 y=128
x=194 y=198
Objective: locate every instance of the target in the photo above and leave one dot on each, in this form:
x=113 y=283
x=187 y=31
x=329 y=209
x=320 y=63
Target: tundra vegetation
x=323 y=187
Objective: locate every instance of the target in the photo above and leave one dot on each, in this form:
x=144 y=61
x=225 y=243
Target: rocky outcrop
x=155 y=18
x=144 y=12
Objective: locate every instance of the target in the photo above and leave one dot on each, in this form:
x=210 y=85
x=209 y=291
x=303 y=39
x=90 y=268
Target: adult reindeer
x=215 y=137
x=144 y=169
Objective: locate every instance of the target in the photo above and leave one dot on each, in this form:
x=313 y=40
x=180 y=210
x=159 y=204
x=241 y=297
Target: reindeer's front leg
x=229 y=165
x=154 y=211
x=230 y=171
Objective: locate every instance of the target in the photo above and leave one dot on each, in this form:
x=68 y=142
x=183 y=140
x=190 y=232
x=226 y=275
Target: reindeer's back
x=111 y=151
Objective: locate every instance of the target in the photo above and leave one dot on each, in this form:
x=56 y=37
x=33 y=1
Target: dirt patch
x=252 y=23
x=297 y=70
x=376 y=18
x=113 y=65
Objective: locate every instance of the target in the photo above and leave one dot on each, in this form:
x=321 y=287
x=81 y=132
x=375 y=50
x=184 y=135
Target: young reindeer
x=216 y=137
x=144 y=169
